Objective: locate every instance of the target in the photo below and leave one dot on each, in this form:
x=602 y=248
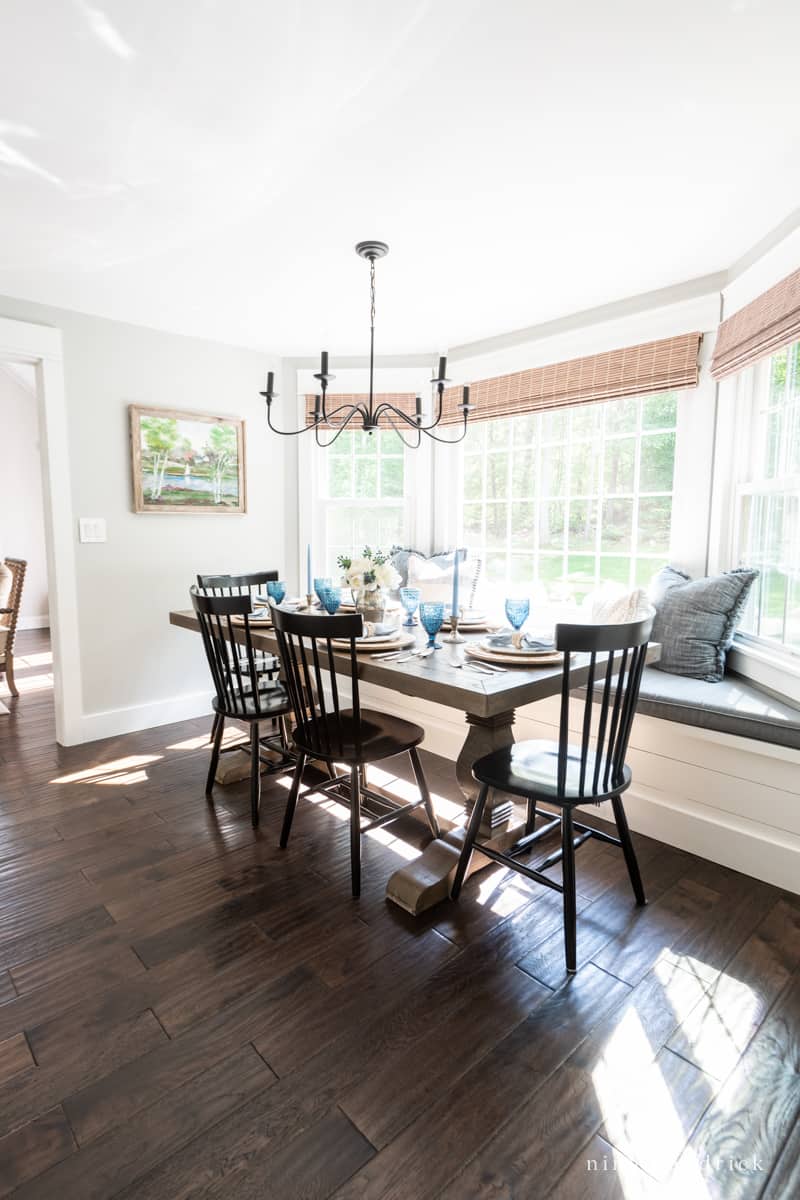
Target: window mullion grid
x=637 y=472
x=600 y=502
x=567 y=499
x=537 y=497
x=509 y=499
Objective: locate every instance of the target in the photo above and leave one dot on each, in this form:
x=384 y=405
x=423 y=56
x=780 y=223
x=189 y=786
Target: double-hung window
x=766 y=512
x=565 y=499
x=361 y=488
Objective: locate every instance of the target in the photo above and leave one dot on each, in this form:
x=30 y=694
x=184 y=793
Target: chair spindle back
x=306 y=651
x=233 y=660
x=617 y=655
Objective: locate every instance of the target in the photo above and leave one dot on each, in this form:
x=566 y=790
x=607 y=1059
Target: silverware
x=395 y=654
x=484 y=668
x=479 y=667
x=415 y=654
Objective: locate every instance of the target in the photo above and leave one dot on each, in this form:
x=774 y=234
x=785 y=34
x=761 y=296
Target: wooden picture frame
x=180 y=466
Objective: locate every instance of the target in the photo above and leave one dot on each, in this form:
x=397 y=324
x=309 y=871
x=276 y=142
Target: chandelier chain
x=372 y=293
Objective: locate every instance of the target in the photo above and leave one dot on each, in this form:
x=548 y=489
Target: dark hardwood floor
x=187 y=1011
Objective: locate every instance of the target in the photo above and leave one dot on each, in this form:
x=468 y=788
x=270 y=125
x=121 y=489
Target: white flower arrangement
x=373 y=569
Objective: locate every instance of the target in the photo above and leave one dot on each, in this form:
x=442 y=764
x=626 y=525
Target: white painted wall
x=137 y=671
x=21 y=515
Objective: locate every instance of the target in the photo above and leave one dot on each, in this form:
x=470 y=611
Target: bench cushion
x=734 y=705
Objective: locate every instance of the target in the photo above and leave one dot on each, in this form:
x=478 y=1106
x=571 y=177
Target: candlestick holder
x=310 y=600
x=454 y=638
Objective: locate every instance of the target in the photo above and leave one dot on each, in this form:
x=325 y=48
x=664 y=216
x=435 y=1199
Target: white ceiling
x=206 y=166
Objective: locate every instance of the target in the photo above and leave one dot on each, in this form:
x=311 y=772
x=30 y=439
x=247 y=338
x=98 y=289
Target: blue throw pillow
x=696 y=618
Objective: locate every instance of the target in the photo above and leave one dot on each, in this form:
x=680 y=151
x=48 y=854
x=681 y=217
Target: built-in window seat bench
x=734 y=706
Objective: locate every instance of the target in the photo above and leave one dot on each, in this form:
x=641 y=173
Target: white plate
x=512 y=651
x=517 y=660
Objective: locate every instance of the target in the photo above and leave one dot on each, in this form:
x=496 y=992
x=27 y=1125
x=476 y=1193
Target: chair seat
x=271 y=703
x=531 y=769
x=381 y=736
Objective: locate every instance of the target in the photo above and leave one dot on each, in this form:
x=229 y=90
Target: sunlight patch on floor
x=639 y=1113
x=203 y=741
x=102 y=773
x=717 y=1031
x=501 y=891
x=34 y=683
x=43 y=659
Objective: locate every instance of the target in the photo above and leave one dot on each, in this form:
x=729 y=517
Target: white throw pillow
x=622 y=608
x=435 y=582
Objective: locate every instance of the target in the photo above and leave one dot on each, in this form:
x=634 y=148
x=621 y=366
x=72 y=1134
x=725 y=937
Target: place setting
x=263 y=605
x=511 y=647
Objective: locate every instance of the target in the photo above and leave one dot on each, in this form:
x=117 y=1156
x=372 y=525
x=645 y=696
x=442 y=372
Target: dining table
x=488 y=702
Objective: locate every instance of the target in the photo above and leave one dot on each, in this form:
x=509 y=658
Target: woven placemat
x=514 y=660
x=385 y=644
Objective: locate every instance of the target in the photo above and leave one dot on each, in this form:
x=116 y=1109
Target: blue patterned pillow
x=696 y=618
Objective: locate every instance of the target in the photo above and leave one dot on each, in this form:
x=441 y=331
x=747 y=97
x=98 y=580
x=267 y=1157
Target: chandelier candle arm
x=369 y=415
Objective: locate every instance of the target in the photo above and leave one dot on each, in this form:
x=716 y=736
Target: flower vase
x=371 y=604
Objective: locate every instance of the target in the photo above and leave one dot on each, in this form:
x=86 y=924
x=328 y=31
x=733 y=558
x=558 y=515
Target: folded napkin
x=529 y=642
x=375 y=630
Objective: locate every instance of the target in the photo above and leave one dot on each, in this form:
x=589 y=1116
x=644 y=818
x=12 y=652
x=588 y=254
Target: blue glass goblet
x=330 y=598
x=410 y=598
x=276 y=590
x=517 y=612
x=321 y=583
x=431 y=614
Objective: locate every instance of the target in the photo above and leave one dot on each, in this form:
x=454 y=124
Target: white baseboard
x=747 y=846
x=115 y=721
x=42 y=622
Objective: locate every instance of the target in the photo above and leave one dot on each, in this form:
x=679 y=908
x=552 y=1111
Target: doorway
x=31 y=358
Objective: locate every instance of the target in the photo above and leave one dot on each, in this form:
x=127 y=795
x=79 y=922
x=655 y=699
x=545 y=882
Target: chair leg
x=218 y=719
x=530 y=819
x=355 y=830
x=219 y=726
x=12 y=687
x=255 y=773
x=422 y=784
x=570 y=905
x=469 y=841
x=291 y=804
x=628 y=850
x=284 y=732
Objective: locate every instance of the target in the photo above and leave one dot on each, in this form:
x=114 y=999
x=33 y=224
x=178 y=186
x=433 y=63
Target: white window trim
x=770 y=665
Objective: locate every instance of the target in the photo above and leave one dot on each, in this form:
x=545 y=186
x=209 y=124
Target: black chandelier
x=369 y=416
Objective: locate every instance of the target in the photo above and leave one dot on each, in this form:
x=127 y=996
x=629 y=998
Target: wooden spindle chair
x=567 y=775
x=246 y=685
x=9 y=615
x=250 y=585
x=352 y=735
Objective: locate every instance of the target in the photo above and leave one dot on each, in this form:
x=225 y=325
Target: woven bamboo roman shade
x=634 y=371
x=767 y=324
x=405 y=401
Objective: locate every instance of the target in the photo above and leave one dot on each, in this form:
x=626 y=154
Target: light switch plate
x=92 y=529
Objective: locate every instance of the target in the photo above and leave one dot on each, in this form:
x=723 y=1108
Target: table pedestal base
x=485 y=734
x=426 y=881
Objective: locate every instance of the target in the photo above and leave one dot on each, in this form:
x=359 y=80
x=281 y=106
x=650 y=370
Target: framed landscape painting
x=186 y=462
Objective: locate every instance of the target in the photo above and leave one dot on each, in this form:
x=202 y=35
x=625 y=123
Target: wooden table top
x=437 y=678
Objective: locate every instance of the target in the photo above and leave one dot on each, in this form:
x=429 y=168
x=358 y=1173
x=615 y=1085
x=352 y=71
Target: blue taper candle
x=456 y=572
x=308 y=565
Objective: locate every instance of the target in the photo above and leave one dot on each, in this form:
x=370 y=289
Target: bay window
x=568 y=498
